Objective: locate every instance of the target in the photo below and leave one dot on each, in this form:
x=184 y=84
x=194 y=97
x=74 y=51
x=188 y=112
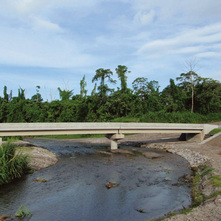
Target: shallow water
x=75 y=187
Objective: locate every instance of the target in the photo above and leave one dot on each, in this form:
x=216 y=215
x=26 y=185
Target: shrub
x=12 y=164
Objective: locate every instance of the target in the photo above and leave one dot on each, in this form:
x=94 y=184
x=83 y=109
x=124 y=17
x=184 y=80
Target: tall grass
x=12 y=164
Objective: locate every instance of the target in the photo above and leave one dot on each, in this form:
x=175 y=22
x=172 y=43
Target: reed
x=13 y=164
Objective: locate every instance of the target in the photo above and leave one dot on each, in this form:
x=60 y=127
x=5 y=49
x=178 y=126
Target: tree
x=21 y=94
x=37 y=97
x=5 y=93
x=208 y=96
x=102 y=74
x=140 y=86
x=83 y=84
x=172 y=97
x=189 y=79
x=121 y=72
x=65 y=94
x=148 y=92
x=94 y=90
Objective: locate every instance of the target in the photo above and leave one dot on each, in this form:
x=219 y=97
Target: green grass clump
x=12 y=165
x=215 y=131
x=217 y=193
x=195 y=192
x=215 y=180
x=12 y=139
x=207 y=172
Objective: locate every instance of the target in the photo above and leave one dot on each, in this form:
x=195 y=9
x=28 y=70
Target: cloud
x=144 y=18
x=209 y=54
x=186 y=12
x=47 y=25
x=187 y=41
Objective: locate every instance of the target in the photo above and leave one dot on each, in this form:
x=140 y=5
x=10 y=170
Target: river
x=76 y=186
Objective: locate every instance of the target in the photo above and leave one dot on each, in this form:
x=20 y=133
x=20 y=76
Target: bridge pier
x=0 y=141
x=114 y=138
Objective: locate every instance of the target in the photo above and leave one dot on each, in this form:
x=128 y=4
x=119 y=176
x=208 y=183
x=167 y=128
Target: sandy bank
x=40 y=158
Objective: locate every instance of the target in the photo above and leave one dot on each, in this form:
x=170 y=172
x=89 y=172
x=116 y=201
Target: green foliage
x=207 y=172
x=121 y=71
x=215 y=131
x=179 y=117
x=195 y=191
x=217 y=193
x=215 y=180
x=144 y=102
x=83 y=85
x=12 y=165
x=22 y=212
x=65 y=94
x=126 y=119
x=102 y=74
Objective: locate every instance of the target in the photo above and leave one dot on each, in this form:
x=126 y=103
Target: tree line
x=187 y=93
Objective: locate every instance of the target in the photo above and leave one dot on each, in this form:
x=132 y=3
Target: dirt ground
x=195 y=153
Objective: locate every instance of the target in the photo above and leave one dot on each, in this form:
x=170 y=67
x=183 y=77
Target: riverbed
x=76 y=188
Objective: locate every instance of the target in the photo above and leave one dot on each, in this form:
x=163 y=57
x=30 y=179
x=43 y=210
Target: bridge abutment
x=195 y=137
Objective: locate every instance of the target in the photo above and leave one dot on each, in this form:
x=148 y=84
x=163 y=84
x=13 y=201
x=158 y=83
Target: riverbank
x=39 y=158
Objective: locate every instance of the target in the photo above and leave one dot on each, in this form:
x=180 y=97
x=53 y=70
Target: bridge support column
x=114 y=138
x=0 y=141
x=114 y=145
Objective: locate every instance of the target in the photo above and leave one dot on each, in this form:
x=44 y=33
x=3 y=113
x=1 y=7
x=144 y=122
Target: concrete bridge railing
x=113 y=131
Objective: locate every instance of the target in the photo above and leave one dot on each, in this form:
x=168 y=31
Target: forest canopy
x=188 y=98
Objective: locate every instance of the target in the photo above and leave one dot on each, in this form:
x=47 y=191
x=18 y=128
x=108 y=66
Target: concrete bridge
x=113 y=131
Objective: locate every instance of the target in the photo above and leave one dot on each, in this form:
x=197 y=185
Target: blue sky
x=53 y=43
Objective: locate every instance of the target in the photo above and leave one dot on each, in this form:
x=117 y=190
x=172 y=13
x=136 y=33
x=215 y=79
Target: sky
x=53 y=43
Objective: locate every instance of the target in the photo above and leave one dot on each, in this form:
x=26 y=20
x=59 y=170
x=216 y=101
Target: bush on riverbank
x=12 y=164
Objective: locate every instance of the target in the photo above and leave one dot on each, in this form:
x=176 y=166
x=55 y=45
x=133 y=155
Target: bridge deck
x=25 y=129
x=114 y=131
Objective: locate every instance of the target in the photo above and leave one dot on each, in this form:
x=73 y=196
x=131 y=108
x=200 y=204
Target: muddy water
x=75 y=187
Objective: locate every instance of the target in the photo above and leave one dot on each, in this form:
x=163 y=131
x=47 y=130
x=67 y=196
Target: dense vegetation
x=191 y=99
x=12 y=165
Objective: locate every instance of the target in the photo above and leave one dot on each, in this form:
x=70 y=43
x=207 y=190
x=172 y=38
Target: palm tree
x=102 y=74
